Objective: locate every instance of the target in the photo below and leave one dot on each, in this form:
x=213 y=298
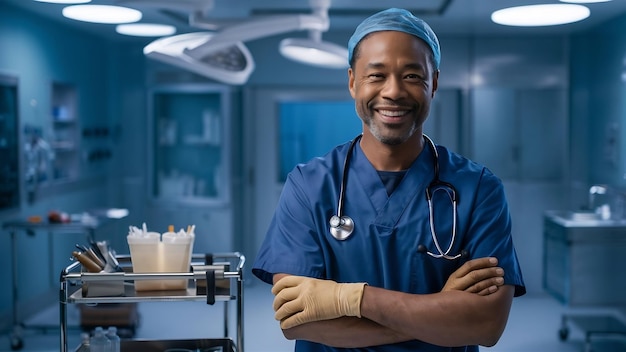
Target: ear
x=351 y=81
x=435 y=83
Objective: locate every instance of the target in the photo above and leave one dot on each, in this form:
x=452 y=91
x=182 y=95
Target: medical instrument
x=342 y=226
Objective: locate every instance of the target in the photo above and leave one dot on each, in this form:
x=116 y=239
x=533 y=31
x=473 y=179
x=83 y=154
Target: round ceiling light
x=584 y=1
x=145 y=29
x=102 y=14
x=540 y=15
x=314 y=52
x=65 y=1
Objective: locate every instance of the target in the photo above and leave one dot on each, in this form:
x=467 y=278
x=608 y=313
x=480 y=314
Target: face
x=393 y=82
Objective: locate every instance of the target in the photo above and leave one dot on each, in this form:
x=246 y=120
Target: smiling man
x=390 y=242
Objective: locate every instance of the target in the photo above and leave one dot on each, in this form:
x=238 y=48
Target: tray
x=201 y=345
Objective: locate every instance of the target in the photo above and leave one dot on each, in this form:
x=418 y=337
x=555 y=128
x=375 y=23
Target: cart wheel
x=563 y=333
x=16 y=343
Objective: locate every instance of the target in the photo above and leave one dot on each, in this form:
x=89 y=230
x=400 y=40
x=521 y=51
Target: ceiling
x=445 y=16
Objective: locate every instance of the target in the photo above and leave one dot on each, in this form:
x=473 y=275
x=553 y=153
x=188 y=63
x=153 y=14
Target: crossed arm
x=471 y=309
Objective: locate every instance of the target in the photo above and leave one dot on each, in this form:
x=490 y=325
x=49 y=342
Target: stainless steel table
x=95 y=220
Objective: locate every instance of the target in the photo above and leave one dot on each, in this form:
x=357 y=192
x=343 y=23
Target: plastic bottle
x=84 y=337
x=114 y=339
x=99 y=342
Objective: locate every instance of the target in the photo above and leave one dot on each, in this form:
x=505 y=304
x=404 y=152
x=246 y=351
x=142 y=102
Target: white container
x=114 y=339
x=99 y=342
x=151 y=255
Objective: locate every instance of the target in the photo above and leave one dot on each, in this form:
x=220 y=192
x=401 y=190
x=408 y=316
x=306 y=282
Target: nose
x=393 y=88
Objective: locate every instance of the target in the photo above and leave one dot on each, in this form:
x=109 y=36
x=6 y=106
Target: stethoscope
x=342 y=226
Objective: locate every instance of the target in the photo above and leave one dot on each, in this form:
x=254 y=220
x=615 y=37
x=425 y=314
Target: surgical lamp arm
x=256 y=29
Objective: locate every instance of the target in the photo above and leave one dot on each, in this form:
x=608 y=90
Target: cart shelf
x=214 y=277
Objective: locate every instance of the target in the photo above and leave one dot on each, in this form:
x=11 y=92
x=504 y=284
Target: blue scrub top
x=383 y=249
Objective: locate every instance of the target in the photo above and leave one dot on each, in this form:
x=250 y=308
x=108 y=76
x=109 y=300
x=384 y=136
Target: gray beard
x=389 y=140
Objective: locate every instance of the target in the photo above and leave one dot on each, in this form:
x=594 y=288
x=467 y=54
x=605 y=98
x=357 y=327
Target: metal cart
x=601 y=325
x=214 y=277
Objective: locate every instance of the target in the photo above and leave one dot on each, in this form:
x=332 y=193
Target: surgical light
x=102 y=14
x=145 y=29
x=540 y=15
x=230 y=63
x=314 y=52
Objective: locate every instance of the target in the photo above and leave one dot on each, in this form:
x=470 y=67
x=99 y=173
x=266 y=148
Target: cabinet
x=9 y=146
x=504 y=119
x=189 y=144
x=65 y=132
x=583 y=264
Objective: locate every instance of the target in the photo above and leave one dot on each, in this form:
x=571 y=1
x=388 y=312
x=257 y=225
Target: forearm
x=453 y=318
x=346 y=332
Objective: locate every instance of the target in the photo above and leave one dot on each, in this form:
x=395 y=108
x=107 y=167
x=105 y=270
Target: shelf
x=132 y=296
x=205 y=345
x=63 y=145
x=65 y=131
x=63 y=122
x=190 y=145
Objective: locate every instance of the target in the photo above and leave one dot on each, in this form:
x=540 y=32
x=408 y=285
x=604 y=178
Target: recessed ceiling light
x=145 y=29
x=65 y=1
x=102 y=14
x=540 y=15
x=584 y=1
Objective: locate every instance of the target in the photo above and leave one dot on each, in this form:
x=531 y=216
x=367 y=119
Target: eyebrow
x=412 y=65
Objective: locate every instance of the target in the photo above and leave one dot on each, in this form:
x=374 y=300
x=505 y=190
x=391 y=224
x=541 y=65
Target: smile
x=393 y=113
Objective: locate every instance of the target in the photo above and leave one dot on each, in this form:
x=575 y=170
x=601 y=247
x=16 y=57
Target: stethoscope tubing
x=342 y=226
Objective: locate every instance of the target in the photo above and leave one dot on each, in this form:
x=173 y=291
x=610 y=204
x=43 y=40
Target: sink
x=572 y=218
x=582 y=215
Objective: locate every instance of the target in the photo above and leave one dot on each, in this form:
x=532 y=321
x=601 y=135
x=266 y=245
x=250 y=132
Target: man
x=426 y=260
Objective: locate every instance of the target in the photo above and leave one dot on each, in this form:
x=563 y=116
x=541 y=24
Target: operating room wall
x=598 y=71
x=39 y=52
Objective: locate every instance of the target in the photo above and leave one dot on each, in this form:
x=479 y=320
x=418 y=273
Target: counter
x=584 y=259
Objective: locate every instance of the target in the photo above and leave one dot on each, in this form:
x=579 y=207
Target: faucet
x=617 y=201
x=593 y=191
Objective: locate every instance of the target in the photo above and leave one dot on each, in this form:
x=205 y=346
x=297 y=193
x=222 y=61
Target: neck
x=386 y=157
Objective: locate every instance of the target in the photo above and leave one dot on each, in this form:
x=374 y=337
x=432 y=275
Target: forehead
x=393 y=44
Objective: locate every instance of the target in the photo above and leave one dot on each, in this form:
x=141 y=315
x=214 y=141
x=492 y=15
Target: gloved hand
x=302 y=300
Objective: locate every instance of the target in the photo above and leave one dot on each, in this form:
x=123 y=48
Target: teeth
x=392 y=113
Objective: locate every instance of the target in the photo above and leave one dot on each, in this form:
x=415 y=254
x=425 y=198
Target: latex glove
x=302 y=300
x=480 y=276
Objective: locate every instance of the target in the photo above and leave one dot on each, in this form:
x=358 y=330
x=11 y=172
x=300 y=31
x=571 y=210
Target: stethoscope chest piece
x=341 y=227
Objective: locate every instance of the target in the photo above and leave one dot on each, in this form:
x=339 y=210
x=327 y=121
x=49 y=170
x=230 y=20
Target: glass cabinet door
x=9 y=145
x=190 y=157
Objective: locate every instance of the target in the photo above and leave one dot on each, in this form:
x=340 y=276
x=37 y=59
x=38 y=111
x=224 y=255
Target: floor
x=533 y=326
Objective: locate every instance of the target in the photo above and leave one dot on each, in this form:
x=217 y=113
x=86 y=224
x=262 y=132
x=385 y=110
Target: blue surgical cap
x=396 y=20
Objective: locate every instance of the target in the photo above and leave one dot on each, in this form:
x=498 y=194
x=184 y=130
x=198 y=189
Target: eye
x=414 y=77
x=375 y=76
